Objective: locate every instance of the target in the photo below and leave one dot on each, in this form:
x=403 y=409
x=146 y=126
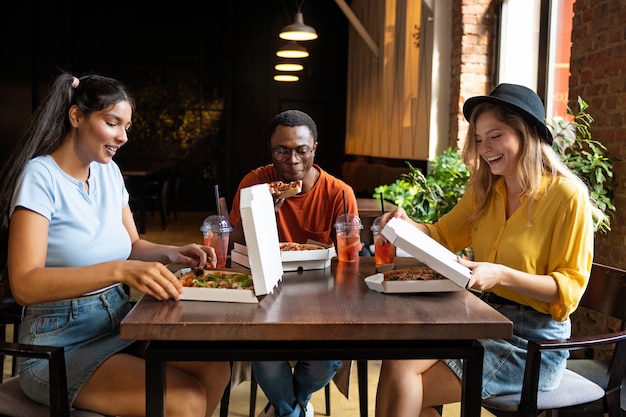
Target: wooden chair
x=605 y=294
x=13 y=401
x=10 y=314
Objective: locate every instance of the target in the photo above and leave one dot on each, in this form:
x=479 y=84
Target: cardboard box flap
x=426 y=250
x=377 y=282
x=239 y=248
x=261 y=233
x=326 y=253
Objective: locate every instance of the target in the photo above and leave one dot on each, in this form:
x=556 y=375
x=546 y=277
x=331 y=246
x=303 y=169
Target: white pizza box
x=426 y=250
x=259 y=226
x=291 y=260
x=377 y=282
x=218 y=294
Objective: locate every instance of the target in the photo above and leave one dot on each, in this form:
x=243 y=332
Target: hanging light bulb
x=298 y=31
x=288 y=66
x=286 y=77
x=292 y=50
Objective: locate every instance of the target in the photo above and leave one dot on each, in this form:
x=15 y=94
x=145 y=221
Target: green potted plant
x=426 y=198
x=587 y=157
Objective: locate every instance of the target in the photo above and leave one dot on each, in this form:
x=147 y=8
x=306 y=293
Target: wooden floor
x=186 y=229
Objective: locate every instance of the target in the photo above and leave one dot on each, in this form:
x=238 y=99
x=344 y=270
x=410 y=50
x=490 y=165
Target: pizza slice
x=417 y=273
x=293 y=246
x=280 y=189
x=203 y=278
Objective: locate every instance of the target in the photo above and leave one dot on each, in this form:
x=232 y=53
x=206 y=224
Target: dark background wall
x=202 y=78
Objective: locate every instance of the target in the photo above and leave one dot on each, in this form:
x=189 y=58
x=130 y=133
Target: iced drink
x=384 y=251
x=348 y=247
x=216 y=231
x=348 y=228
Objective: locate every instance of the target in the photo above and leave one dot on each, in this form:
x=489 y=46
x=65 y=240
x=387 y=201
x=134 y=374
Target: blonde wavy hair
x=537 y=160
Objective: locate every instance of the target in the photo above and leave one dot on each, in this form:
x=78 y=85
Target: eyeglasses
x=283 y=154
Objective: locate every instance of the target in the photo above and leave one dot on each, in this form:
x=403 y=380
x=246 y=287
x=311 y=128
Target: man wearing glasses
x=311 y=214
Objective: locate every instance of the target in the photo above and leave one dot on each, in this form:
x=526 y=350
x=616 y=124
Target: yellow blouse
x=557 y=240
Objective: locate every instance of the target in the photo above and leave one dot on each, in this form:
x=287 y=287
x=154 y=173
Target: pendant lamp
x=286 y=77
x=292 y=50
x=288 y=66
x=298 y=31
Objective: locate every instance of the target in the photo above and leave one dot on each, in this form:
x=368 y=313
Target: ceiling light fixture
x=288 y=66
x=292 y=50
x=286 y=77
x=298 y=31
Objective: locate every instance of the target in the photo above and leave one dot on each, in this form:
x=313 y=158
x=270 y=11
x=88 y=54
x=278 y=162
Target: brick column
x=473 y=58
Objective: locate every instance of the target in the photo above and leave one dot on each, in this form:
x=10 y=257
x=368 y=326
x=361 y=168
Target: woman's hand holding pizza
x=152 y=278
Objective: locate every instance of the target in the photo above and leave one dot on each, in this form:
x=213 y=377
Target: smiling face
x=498 y=144
x=100 y=135
x=301 y=145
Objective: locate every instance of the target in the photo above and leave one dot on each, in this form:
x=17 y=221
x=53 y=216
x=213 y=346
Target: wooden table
x=370 y=207
x=319 y=314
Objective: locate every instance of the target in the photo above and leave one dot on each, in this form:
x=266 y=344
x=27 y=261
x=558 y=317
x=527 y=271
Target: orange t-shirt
x=305 y=216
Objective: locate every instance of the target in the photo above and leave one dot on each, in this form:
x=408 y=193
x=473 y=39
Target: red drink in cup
x=348 y=228
x=348 y=248
x=219 y=242
x=216 y=231
x=384 y=251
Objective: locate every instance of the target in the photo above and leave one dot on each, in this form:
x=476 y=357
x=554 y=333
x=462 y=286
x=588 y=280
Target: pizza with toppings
x=204 y=278
x=280 y=189
x=418 y=273
x=292 y=246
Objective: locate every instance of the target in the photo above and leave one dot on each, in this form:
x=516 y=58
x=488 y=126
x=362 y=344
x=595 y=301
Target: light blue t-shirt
x=85 y=228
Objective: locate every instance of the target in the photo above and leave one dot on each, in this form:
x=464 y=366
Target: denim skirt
x=88 y=328
x=504 y=360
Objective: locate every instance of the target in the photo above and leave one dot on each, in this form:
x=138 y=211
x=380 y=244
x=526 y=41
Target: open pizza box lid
x=259 y=226
x=292 y=260
x=426 y=250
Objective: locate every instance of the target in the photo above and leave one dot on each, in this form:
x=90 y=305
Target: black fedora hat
x=519 y=99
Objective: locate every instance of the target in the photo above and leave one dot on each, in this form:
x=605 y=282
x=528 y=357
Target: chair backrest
x=5 y=290
x=606 y=292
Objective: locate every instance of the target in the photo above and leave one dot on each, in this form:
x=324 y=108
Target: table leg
x=362 y=377
x=155 y=384
x=472 y=382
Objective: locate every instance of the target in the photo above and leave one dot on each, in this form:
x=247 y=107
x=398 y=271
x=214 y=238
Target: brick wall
x=473 y=40
x=598 y=75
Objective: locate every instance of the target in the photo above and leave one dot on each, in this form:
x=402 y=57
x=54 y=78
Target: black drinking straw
x=382 y=204
x=217 y=199
x=345 y=208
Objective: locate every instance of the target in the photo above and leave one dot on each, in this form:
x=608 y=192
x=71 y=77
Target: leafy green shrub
x=427 y=198
x=586 y=157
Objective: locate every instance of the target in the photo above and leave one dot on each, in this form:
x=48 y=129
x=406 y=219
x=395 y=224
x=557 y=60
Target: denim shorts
x=504 y=360
x=88 y=327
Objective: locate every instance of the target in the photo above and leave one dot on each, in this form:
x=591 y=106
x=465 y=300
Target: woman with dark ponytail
x=71 y=243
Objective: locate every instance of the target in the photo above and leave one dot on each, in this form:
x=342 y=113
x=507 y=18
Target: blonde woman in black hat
x=529 y=221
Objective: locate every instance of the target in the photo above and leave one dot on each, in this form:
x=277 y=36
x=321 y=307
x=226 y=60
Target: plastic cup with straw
x=348 y=230
x=384 y=251
x=216 y=232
